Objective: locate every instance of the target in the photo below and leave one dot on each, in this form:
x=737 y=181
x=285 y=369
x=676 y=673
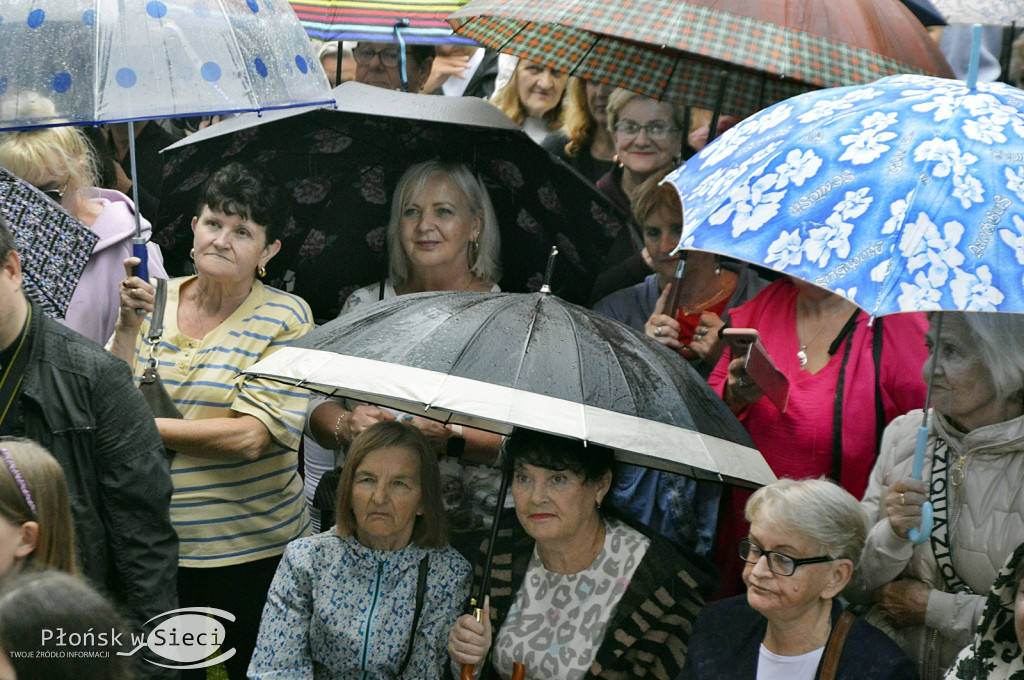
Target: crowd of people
x=345 y=538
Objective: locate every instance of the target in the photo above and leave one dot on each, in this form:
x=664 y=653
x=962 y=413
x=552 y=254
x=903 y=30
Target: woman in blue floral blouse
x=376 y=597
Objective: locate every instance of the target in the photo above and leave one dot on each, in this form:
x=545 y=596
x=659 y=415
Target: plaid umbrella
x=723 y=55
x=53 y=245
x=375 y=19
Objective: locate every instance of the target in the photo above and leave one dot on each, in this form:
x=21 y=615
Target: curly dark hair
x=252 y=194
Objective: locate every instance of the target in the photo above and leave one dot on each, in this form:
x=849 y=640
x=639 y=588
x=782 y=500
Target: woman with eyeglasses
x=60 y=162
x=805 y=538
x=648 y=139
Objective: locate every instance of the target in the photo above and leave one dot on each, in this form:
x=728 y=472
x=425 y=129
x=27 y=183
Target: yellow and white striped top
x=234 y=512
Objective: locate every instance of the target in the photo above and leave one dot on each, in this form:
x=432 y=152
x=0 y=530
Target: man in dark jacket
x=67 y=393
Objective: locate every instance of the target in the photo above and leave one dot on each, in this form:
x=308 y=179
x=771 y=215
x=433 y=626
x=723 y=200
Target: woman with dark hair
x=237 y=492
x=613 y=601
x=377 y=595
x=56 y=601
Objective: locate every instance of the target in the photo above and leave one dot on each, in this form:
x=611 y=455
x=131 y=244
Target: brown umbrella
x=732 y=56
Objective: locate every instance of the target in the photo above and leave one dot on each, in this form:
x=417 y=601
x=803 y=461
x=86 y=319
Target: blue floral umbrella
x=903 y=195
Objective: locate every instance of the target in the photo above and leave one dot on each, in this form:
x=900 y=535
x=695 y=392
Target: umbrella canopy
x=730 y=56
x=375 y=19
x=988 y=12
x=105 y=61
x=502 y=360
x=52 y=244
x=340 y=166
x=903 y=195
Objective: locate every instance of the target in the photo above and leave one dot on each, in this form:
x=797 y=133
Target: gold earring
x=261 y=270
x=472 y=252
x=192 y=254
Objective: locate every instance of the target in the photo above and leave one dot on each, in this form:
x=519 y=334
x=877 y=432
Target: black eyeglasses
x=56 y=195
x=655 y=130
x=364 y=54
x=781 y=564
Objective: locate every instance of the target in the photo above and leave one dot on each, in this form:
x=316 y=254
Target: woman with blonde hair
x=35 y=513
x=585 y=142
x=534 y=98
x=61 y=163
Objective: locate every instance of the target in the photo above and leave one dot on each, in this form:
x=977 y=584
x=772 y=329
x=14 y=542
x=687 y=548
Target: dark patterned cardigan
x=648 y=633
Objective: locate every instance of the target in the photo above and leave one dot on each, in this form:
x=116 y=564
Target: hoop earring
x=616 y=161
x=192 y=254
x=473 y=252
x=262 y=271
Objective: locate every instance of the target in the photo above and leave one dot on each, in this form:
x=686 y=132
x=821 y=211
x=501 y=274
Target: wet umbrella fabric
x=502 y=360
x=340 y=167
x=375 y=19
x=106 y=61
x=53 y=245
x=730 y=56
x=903 y=195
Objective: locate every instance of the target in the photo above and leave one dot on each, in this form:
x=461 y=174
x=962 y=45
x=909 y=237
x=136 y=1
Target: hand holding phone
x=746 y=343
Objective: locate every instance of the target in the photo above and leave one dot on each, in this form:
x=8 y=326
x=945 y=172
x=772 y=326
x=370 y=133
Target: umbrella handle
x=467 y=668
x=139 y=250
x=920 y=536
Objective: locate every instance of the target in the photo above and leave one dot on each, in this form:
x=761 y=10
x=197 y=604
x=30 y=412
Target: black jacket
x=80 y=402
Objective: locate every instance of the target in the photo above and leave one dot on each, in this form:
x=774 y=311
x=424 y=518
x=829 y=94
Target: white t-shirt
x=557 y=622
x=771 y=666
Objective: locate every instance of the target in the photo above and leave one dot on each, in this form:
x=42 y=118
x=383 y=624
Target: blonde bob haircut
x=41 y=155
x=44 y=478
x=487 y=265
x=431 y=527
x=507 y=99
x=817 y=509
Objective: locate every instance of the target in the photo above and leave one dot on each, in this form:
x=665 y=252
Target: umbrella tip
x=546 y=288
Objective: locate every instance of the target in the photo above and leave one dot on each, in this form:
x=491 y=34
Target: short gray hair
x=996 y=340
x=817 y=509
x=488 y=261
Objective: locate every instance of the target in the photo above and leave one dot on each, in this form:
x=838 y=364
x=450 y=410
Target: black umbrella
x=340 y=167
x=53 y=244
x=495 y=361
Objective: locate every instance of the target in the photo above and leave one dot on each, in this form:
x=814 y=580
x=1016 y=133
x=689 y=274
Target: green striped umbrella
x=732 y=56
x=375 y=20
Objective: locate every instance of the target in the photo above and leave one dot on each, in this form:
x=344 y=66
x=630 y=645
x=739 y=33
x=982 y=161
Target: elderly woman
x=378 y=595
x=805 y=538
x=237 y=493
x=613 y=601
x=61 y=162
x=997 y=652
x=534 y=98
x=443 y=235
x=929 y=597
x=648 y=138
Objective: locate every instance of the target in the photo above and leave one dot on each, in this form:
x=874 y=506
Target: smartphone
x=746 y=343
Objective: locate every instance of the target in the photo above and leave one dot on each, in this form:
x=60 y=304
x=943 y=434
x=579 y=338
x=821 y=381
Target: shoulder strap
x=837 y=405
x=421 y=589
x=156 y=329
x=834 y=648
x=876 y=355
x=380 y=293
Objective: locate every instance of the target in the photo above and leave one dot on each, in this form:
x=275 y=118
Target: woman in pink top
x=848 y=379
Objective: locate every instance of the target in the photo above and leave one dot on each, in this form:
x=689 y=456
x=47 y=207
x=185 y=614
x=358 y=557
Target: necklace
x=801 y=355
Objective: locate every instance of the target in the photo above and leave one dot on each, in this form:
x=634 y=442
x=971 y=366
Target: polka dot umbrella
x=81 y=62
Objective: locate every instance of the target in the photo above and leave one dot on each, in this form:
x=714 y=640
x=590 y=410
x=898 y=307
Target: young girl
x=35 y=513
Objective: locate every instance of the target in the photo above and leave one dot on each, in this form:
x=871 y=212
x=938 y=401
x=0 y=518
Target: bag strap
x=156 y=330
x=421 y=590
x=834 y=648
x=876 y=355
x=837 y=405
x=941 y=540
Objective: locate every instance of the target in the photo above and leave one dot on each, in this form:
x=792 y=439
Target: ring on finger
x=657 y=331
x=903 y=499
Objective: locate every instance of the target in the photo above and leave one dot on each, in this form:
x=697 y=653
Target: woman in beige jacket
x=929 y=598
